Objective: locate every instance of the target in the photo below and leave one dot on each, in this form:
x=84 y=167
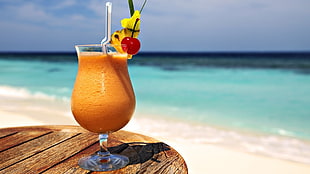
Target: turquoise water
x=270 y=99
x=263 y=100
x=50 y=78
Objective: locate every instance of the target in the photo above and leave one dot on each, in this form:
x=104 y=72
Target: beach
x=200 y=157
x=224 y=113
x=220 y=82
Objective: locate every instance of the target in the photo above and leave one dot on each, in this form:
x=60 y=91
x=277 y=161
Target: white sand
x=200 y=158
x=211 y=159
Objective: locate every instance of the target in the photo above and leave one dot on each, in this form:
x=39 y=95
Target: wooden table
x=57 y=149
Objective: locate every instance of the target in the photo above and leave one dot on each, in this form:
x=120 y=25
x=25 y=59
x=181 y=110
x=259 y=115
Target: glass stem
x=103 y=140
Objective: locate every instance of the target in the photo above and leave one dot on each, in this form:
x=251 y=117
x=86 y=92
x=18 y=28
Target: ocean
x=255 y=102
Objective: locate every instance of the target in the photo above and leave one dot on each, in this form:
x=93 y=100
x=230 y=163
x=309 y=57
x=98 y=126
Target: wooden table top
x=57 y=149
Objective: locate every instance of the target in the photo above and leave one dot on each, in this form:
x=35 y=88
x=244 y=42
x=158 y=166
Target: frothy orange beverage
x=102 y=99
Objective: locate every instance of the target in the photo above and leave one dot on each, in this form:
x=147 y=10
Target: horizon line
x=168 y=52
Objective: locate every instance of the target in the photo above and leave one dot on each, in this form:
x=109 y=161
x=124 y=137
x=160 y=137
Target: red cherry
x=131 y=45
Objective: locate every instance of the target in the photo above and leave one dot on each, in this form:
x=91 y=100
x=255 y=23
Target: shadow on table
x=140 y=152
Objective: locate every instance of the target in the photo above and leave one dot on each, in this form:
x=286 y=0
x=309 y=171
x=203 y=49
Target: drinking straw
x=108 y=21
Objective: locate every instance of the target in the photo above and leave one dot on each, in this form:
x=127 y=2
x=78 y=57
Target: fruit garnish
x=131 y=45
x=127 y=37
x=132 y=25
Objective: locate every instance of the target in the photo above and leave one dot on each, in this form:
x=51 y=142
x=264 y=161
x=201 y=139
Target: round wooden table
x=57 y=149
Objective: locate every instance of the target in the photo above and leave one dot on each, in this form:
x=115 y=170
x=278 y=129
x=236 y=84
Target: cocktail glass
x=103 y=100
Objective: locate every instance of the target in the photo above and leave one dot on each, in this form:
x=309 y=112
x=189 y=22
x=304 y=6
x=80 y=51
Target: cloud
x=46 y=15
x=65 y=4
x=198 y=25
x=30 y=12
x=228 y=24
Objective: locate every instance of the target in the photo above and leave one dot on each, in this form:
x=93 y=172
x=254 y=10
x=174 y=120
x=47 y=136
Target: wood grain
x=57 y=149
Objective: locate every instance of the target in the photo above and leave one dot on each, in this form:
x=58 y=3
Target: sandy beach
x=218 y=81
x=200 y=157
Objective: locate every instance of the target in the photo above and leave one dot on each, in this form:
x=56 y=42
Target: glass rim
x=97 y=45
x=101 y=48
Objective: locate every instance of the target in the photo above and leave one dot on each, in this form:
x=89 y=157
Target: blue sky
x=167 y=25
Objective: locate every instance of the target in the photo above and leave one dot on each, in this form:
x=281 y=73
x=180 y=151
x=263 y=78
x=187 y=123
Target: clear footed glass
x=103 y=160
x=93 y=163
x=102 y=100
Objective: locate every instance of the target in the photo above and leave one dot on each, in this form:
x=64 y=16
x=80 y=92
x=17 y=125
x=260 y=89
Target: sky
x=166 y=25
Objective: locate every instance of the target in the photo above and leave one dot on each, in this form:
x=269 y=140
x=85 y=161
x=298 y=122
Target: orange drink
x=102 y=100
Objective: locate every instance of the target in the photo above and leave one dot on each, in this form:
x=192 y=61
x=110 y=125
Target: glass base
x=96 y=162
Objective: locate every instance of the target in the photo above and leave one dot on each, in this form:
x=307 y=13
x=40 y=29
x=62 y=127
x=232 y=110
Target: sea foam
x=23 y=93
x=281 y=147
